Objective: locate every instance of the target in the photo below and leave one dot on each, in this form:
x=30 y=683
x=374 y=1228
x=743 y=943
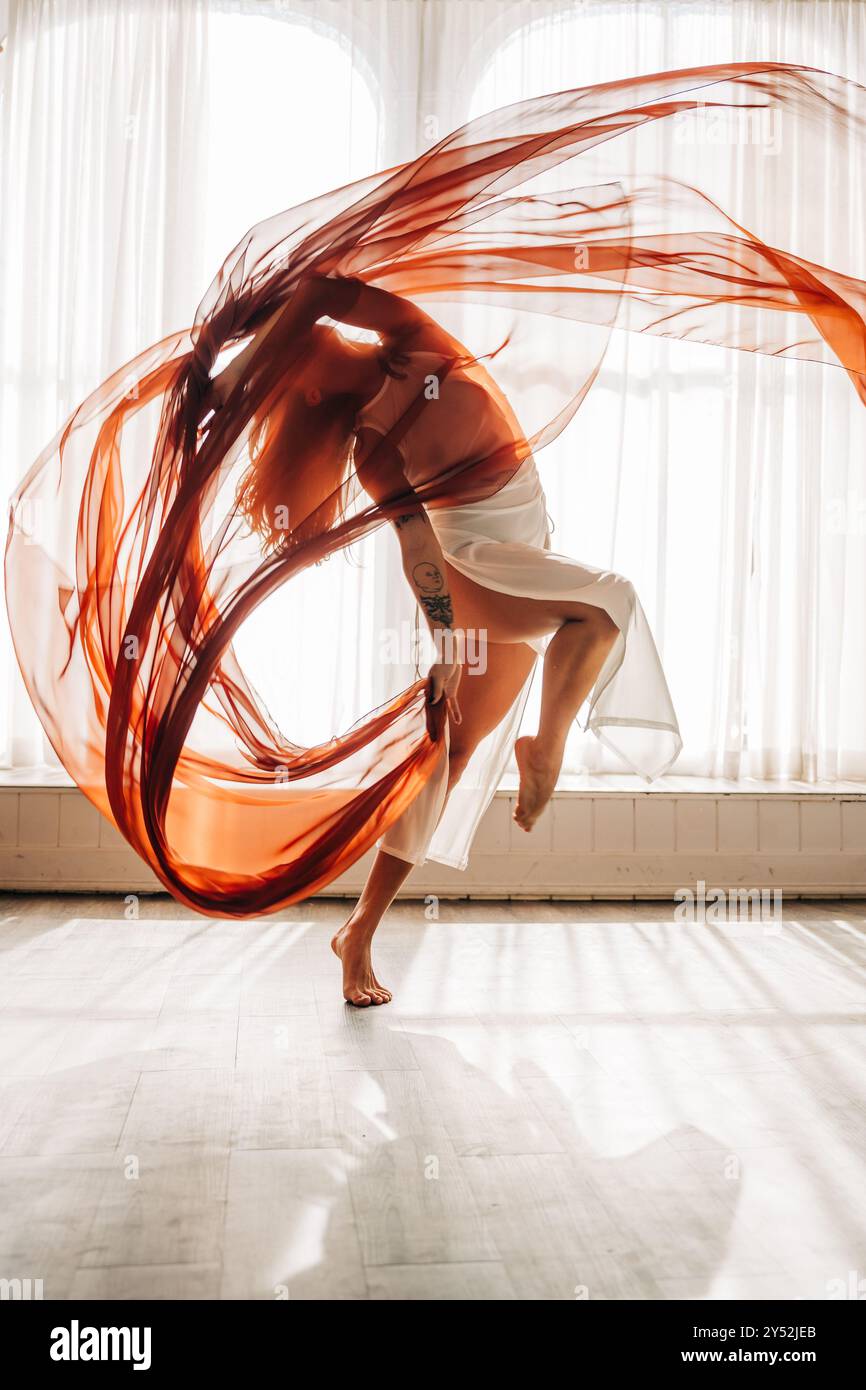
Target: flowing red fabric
x=130 y=569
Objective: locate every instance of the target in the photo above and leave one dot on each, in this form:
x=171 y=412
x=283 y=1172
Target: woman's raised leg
x=572 y=662
x=583 y=635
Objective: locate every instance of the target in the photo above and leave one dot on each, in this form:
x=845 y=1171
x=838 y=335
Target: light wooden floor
x=565 y=1100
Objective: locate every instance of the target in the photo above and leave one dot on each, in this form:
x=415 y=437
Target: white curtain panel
x=140 y=138
x=103 y=144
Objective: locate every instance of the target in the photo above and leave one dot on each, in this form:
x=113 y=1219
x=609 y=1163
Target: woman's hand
x=443 y=678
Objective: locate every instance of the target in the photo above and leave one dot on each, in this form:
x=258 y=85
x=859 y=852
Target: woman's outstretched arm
x=395 y=319
x=349 y=300
x=346 y=300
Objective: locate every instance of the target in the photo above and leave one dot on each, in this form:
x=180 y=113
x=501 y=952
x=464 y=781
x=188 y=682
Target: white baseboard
x=594 y=843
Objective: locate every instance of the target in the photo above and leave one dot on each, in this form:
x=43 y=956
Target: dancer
x=483 y=569
x=169 y=507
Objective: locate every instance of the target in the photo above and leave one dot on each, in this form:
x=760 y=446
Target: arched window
x=699 y=473
x=293 y=116
x=174 y=129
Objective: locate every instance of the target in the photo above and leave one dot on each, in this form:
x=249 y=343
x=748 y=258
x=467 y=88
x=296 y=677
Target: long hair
x=296 y=483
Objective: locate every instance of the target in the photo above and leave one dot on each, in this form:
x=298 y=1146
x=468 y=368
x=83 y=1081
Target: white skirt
x=503 y=544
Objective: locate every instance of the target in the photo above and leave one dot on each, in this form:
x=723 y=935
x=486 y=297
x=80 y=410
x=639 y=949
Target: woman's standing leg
x=352 y=942
x=485 y=699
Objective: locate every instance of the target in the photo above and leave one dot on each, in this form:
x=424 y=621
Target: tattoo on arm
x=439 y=610
x=427 y=578
x=432 y=594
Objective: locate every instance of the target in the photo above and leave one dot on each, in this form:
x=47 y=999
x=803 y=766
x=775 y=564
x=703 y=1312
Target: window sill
x=570 y=784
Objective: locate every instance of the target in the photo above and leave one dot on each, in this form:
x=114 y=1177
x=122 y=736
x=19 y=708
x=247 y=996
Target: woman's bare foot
x=360 y=986
x=538 y=773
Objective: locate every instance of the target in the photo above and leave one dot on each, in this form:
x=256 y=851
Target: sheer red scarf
x=129 y=568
